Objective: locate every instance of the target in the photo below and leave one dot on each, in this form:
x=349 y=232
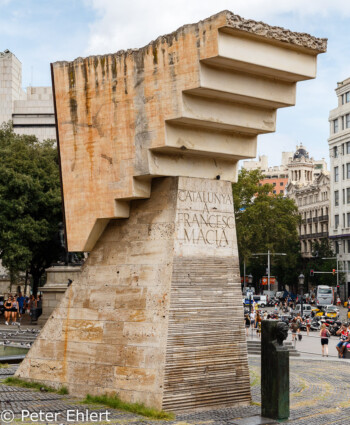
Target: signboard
x=265 y=279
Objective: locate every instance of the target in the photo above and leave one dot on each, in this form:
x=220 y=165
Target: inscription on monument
x=205 y=218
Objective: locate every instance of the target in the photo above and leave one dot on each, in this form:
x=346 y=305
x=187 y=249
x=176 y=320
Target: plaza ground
x=319 y=394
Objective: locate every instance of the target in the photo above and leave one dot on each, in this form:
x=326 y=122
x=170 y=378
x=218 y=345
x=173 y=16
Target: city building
x=307 y=181
x=309 y=186
x=277 y=176
x=31 y=111
x=339 y=152
x=292 y=169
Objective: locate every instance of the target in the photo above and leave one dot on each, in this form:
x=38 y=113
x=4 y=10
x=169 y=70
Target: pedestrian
x=14 y=310
x=258 y=321
x=32 y=308
x=7 y=311
x=324 y=334
x=39 y=307
x=21 y=303
x=344 y=339
x=308 y=325
x=276 y=308
x=252 y=319
x=294 y=328
x=247 y=323
x=338 y=301
x=299 y=321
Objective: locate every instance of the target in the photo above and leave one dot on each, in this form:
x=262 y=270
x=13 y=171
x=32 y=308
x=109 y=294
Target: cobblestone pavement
x=319 y=394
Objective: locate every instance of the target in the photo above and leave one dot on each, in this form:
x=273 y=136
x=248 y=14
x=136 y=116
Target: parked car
x=307 y=310
x=331 y=312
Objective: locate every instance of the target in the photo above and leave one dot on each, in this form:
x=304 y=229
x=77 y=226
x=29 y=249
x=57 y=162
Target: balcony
x=320 y=218
x=318 y=235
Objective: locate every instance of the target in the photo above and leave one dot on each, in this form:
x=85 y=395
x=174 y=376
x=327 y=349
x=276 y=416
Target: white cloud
x=121 y=24
x=124 y=24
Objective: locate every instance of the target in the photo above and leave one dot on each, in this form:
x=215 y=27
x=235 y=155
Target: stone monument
x=149 y=141
x=274 y=370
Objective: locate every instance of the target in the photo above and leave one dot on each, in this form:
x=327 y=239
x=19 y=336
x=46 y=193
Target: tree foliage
x=266 y=222
x=30 y=203
x=320 y=251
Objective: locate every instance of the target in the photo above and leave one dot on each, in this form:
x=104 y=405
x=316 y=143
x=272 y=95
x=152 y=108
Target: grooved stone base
x=156 y=315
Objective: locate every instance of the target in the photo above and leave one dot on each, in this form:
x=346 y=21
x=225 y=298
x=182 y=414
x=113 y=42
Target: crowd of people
x=253 y=321
x=16 y=306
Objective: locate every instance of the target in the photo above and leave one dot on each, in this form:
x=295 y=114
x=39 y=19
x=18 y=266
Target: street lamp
x=250 y=281
x=268 y=253
x=301 y=287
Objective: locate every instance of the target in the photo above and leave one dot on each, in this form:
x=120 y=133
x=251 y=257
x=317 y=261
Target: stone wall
x=156 y=315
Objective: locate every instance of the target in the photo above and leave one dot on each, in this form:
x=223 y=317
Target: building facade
x=277 y=176
x=339 y=152
x=31 y=111
x=312 y=200
x=307 y=181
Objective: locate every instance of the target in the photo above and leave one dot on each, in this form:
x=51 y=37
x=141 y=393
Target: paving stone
x=319 y=393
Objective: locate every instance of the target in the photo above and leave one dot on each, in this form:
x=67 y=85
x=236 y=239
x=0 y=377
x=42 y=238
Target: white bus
x=325 y=295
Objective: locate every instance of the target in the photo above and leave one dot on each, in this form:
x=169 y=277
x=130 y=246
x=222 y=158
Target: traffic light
x=333 y=271
x=311 y=272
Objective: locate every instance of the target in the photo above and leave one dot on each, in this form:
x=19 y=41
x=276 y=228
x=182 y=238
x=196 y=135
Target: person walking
x=14 y=310
x=7 y=311
x=258 y=324
x=338 y=301
x=308 y=325
x=247 y=324
x=324 y=334
x=294 y=328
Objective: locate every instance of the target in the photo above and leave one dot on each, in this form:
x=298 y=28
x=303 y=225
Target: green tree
x=321 y=250
x=30 y=203
x=266 y=222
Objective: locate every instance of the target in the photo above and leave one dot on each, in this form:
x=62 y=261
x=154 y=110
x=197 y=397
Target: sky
x=39 y=32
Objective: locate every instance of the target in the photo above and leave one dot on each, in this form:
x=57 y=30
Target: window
x=348 y=265
x=337 y=247
x=343 y=220
x=336 y=198
x=335 y=151
x=281 y=183
x=348 y=246
x=347 y=97
x=347 y=147
x=347 y=121
x=274 y=184
x=335 y=126
x=281 y=191
x=342 y=149
x=343 y=171
x=343 y=196
x=336 y=221
x=348 y=220
x=348 y=170
x=348 y=195
x=336 y=174
x=274 y=192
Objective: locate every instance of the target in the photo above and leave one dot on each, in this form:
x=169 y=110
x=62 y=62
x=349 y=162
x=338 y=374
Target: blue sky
x=42 y=31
